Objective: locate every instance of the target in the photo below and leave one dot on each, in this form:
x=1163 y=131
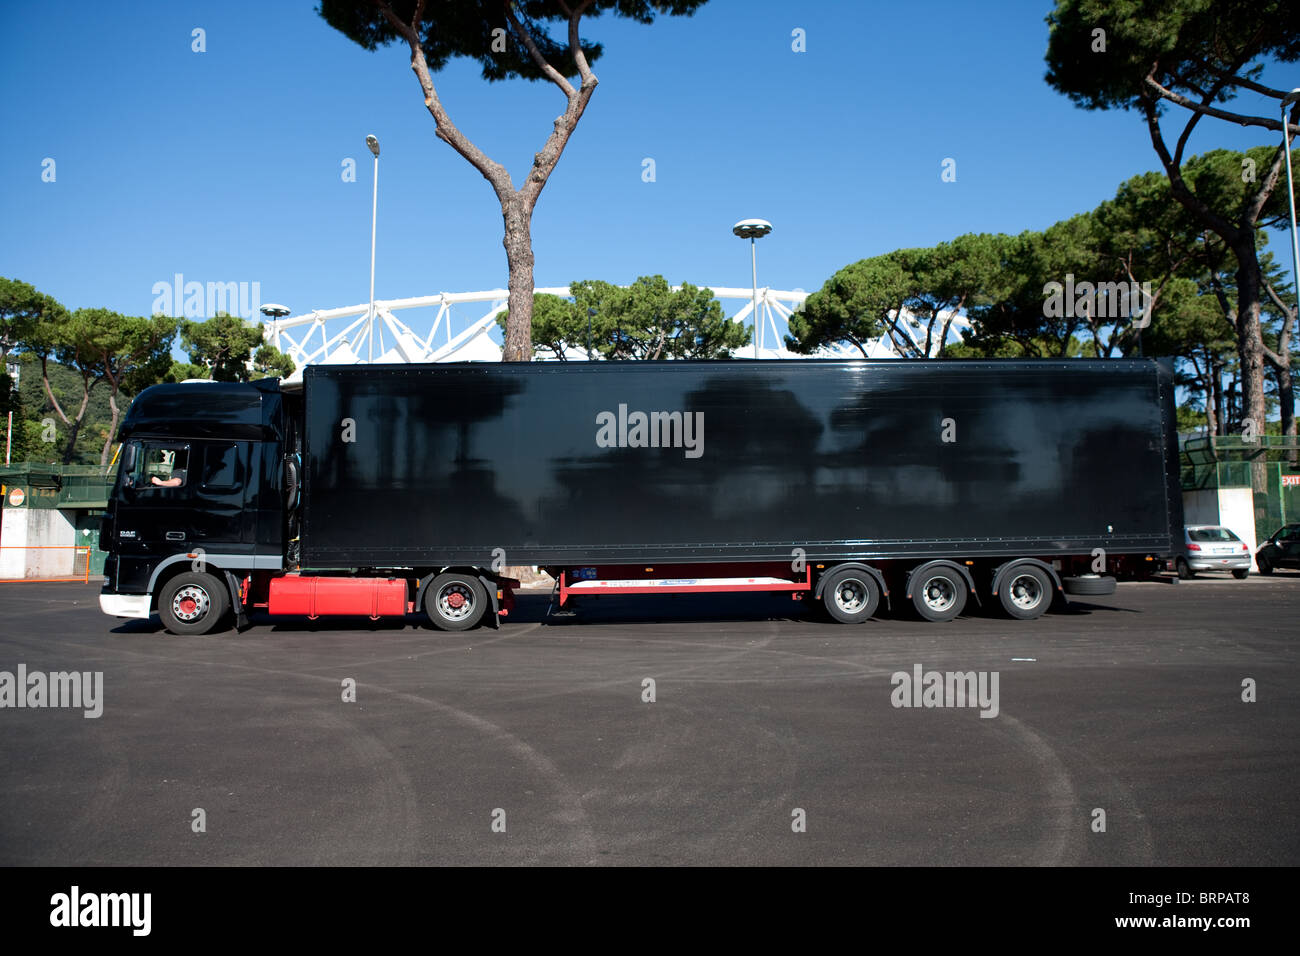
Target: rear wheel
x=850 y=596
x=455 y=601
x=1241 y=573
x=193 y=603
x=1025 y=592
x=940 y=594
x=1184 y=569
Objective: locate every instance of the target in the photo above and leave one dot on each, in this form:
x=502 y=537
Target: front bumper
x=124 y=605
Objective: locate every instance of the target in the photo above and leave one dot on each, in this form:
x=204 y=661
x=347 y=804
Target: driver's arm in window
x=167 y=467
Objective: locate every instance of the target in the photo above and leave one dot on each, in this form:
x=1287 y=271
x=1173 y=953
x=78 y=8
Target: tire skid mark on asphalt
x=570 y=810
x=863 y=669
x=430 y=653
x=398 y=798
x=729 y=824
x=1140 y=847
x=1063 y=844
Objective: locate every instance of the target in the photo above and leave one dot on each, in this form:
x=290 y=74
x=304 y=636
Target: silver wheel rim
x=446 y=609
x=939 y=594
x=851 y=596
x=1026 y=591
x=190 y=594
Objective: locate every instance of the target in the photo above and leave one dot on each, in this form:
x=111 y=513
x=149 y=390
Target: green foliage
x=853 y=306
x=24 y=312
x=220 y=349
x=35 y=419
x=466 y=29
x=1189 y=419
x=646 y=320
x=1188 y=46
x=270 y=362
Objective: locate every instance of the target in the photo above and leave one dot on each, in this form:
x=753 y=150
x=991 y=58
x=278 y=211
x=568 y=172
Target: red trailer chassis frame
x=682 y=579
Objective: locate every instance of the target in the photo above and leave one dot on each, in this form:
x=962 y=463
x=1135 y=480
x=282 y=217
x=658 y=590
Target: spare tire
x=1091 y=584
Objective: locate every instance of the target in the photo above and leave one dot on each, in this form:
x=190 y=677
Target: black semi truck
x=862 y=486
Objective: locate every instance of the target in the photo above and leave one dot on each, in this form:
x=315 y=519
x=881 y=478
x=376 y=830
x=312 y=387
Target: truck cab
x=200 y=491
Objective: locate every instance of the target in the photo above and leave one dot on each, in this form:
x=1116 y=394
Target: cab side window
x=161 y=466
x=222 y=468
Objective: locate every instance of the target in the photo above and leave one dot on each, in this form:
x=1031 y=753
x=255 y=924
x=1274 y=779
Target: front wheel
x=1184 y=569
x=192 y=603
x=1264 y=566
x=455 y=601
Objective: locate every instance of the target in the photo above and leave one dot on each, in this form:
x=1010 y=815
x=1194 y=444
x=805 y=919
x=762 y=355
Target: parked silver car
x=1212 y=547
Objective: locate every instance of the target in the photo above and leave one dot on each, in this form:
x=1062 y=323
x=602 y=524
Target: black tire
x=850 y=596
x=1025 y=592
x=1092 y=586
x=1184 y=569
x=1241 y=573
x=1264 y=566
x=455 y=601
x=193 y=603
x=939 y=594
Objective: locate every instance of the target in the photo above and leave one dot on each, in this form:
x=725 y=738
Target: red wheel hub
x=188 y=605
x=456 y=599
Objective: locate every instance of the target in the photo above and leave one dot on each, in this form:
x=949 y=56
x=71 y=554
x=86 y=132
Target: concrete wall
x=26 y=537
x=1237 y=511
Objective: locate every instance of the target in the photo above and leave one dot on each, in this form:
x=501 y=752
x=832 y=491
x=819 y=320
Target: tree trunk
x=74 y=428
x=112 y=429
x=1250 y=340
x=1211 y=409
x=1250 y=348
x=517 y=213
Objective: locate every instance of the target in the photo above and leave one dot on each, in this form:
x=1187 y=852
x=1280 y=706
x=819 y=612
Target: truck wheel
x=1241 y=573
x=941 y=595
x=455 y=601
x=192 y=603
x=850 y=596
x=1184 y=569
x=1026 y=592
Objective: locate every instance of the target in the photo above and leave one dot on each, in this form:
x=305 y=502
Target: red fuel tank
x=318 y=596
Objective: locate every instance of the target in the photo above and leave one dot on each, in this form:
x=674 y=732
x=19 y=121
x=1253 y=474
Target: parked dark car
x=1281 y=550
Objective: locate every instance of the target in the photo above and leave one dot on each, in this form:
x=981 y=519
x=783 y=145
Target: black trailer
x=844 y=481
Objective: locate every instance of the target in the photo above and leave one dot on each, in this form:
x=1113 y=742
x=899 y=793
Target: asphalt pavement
x=687 y=730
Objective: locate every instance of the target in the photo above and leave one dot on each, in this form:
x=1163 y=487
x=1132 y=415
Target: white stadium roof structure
x=405 y=331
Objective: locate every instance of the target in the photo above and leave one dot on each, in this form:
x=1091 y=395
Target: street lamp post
x=1287 y=100
x=590 y=312
x=753 y=229
x=14 y=370
x=273 y=310
x=373 y=143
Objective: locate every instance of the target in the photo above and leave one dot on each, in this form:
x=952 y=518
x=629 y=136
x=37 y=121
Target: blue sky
x=226 y=165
